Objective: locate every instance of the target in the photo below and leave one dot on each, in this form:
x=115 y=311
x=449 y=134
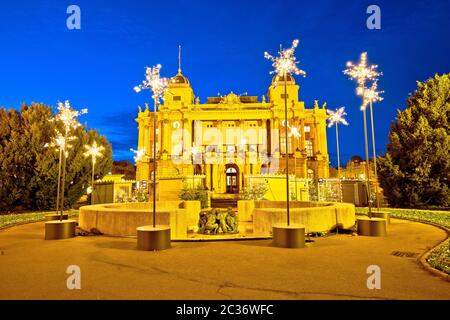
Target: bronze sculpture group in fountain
x=217 y=221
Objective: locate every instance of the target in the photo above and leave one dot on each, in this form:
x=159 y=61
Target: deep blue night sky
x=223 y=45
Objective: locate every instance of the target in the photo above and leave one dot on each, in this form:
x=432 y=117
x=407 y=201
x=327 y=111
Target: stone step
x=223 y=203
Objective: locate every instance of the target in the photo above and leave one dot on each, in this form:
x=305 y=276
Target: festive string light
x=154 y=82
x=362 y=72
x=286 y=62
x=336 y=117
x=94 y=151
x=370 y=95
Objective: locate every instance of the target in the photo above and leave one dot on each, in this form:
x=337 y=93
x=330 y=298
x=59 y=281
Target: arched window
x=231 y=170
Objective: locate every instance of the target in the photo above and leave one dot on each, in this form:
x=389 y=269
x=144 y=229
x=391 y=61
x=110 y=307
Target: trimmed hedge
x=9 y=220
x=440 y=257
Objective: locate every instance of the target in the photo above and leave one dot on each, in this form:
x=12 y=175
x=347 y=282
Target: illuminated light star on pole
x=242 y=154
x=194 y=151
x=69 y=118
x=59 y=143
x=335 y=118
x=154 y=82
x=94 y=151
x=363 y=72
x=158 y=86
x=296 y=134
x=286 y=64
x=372 y=95
x=138 y=155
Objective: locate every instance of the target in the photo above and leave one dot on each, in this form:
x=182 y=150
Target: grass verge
x=9 y=220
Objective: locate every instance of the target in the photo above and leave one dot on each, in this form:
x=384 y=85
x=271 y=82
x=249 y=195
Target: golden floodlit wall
x=228 y=138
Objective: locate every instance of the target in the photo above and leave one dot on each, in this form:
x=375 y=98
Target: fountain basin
x=314 y=216
x=123 y=219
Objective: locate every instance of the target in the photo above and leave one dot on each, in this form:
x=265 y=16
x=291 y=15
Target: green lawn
x=8 y=220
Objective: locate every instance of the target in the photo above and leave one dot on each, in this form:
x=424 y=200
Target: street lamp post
x=334 y=118
x=296 y=134
x=58 y=142
x=155 y=107
x=69 y=118
x=194 y=151
x=371 y=95
x=63 y=229
x=243 y=144
x=95 y=152
x=59 y=179
x=285 y=65
x=363 y=72
x=157 y=85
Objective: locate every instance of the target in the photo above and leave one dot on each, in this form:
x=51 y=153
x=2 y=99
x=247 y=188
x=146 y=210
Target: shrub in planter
x=199 y=194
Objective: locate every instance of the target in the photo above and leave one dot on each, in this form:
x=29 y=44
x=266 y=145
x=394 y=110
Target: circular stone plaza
x=246 y=265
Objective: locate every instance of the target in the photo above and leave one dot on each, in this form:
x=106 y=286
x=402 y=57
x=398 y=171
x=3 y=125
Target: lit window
x=309 y=148
x=307 y=129
x=283 y=145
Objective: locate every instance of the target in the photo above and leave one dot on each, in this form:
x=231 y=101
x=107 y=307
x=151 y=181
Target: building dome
x=357 y=159
x=278 y=79
x=179 y=79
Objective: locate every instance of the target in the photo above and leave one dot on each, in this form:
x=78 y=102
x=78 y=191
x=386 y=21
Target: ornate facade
x=229 y=138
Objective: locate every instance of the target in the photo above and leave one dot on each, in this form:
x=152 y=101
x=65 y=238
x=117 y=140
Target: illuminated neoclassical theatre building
x=229 y=140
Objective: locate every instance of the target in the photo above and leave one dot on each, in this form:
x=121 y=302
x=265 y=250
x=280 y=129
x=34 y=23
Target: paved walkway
x=332 y=267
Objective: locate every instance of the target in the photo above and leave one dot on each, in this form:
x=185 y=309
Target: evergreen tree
x=415 y=171
x=29 y=169
x=14 y=168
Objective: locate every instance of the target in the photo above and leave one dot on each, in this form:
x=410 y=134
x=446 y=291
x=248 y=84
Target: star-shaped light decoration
x=154 y=82
x=194 y=150
x=68 y=116
x=94 y=150
x=336 y=117
x=370 y=95
x=283 y=123
x=60 y=142
x=362 y=72
x=294 y=133
x=139 y=154
x=286 y=62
